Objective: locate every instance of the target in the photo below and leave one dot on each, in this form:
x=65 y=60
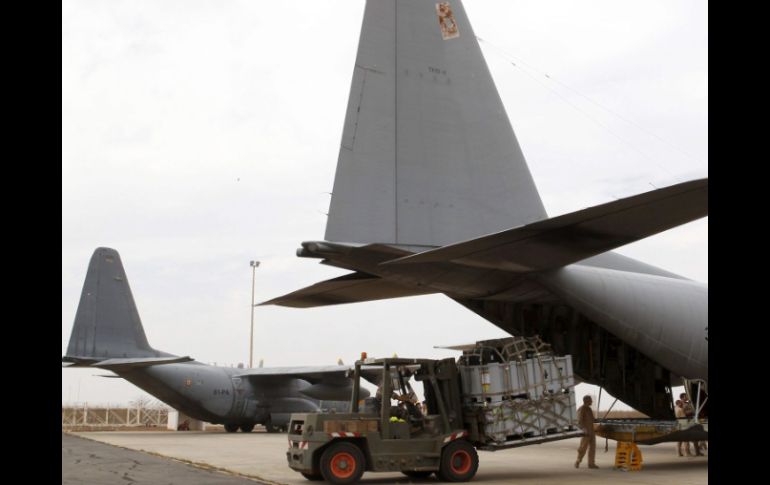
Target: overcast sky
x=199 y=135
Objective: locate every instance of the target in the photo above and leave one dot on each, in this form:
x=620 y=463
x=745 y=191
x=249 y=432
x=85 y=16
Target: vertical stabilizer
x=428 y=155
x=107 y=324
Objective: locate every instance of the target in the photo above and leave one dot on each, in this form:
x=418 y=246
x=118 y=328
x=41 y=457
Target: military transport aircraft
x=108 y=334
x=432 y=194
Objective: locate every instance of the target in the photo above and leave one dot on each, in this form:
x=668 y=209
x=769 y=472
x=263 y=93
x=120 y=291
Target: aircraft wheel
x=459 y=462
x=416 y=474
x=231 y=428
x=342 y=463
x=246 y=428
x=269 y=426
x=313 y=477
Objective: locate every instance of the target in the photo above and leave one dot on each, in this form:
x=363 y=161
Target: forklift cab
x=442 y=395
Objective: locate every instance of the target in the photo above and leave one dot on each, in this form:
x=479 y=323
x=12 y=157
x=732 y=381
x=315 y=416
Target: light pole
x=254 y=265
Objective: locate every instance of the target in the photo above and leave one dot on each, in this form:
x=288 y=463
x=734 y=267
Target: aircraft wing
x=567 y=239
x=349 y=288
x=312 y=374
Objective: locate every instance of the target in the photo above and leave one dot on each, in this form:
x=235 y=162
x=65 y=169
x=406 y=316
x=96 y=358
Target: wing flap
x=570 y=238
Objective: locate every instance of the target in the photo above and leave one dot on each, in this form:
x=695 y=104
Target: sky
x=200 y=135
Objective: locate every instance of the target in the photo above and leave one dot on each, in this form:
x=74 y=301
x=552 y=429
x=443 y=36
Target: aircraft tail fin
x=107 y=323
x=428 y=156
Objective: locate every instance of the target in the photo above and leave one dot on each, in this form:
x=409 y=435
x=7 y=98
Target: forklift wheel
x=459 y=462
x=342 y=463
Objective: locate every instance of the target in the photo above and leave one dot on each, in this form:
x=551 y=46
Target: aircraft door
x=239 y=397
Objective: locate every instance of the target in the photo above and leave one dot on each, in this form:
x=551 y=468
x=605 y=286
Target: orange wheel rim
x=460 y=463
x=343 y=465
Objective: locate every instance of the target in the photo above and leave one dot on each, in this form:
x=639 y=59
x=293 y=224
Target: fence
x=104 y=417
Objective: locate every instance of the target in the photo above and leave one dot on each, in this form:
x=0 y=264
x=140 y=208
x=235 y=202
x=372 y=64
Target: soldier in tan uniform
x=689 y=412
x=586 y=421
x=680 y=414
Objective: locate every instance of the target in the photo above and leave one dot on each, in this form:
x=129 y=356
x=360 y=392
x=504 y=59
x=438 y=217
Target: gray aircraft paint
x=428 y=159
x=407 y=178
x=660 y=316
x=108 y=324
x=108 y=334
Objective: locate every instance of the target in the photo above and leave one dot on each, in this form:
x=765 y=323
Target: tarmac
x=86 y=462
x=262 y=457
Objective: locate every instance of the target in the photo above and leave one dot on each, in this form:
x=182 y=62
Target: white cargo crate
x=516 y=419
x=530 y=379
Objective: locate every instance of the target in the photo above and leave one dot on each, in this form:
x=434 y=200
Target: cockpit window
x=296 y=427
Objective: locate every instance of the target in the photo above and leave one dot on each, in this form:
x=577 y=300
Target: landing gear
x=268 y=424
x=231 y=428
x=246 y=428
x=313 y=477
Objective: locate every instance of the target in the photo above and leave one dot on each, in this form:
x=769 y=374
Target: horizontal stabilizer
x=350 y=288
x=462 y=347
x=570 y=238
x=123 y=363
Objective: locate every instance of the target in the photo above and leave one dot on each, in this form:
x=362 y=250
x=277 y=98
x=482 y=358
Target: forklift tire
x=313 y=477
x=231 y=428
x=342 y=463
x=416 y=474
x=247 y=428
x=459 y=462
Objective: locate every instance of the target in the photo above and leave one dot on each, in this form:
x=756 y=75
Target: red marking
x=343 y=465
x=460 y=462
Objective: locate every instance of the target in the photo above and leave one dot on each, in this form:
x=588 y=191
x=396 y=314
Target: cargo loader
x=500 y=394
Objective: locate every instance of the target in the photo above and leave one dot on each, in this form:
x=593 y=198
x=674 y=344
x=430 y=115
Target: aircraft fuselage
x=218 y=395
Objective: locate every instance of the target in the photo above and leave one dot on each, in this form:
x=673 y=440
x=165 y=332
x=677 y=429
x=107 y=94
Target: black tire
x=342 y=463
x=459 y=462
x=247 y=428
x=416 y=474
x=313 y=477
x=231 y=428
x=269 y=426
